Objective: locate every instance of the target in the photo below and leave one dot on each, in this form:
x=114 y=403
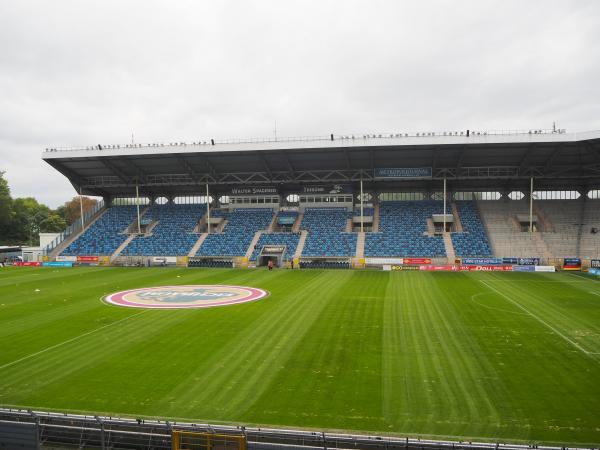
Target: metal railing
x=75 y=227
x=81 y=431
x=330 y=137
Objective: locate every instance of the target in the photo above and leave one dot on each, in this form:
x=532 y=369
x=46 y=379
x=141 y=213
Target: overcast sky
x=86 y=72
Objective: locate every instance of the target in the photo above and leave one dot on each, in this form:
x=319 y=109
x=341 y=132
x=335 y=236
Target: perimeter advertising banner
x=57 y=264
x=87 y=259
x=595 y=263
x=572 y=264
x=523 y=268
x=545 y=268
x=27 y=263
x=402 y=173
x=416 y=261
x=327 y=189
x=482 y=261
x=594 y=271
x=522 y=261
x=442 y=268
x=486 y=268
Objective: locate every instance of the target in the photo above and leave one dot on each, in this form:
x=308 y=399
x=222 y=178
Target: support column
x=444 y=204
x=81 y=208
x=137 y=204
x=531 y=205
x=207 y=211
x=361 y=207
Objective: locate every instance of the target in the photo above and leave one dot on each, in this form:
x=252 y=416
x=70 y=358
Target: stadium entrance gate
x=271 y=252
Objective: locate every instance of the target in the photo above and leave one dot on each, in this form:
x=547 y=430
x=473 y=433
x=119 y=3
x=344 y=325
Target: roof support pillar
x=207 y=211
x=444 y=231
x=531 y=205
x=137 y=204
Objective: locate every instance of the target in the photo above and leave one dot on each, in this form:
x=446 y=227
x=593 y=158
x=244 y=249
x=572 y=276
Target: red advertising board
x=446 y=268
x=87 y=259
x=486 y=268
x=27 y=263
x=416 y=261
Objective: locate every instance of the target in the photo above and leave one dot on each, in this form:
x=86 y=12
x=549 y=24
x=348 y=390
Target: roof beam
x=110 y=166
x=551 y=158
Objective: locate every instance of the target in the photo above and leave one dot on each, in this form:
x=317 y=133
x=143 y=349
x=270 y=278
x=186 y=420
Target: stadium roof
x=474 y=160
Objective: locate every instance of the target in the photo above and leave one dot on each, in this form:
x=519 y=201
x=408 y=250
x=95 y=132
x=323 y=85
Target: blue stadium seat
x=172 y=236
x=326 y=236
x=401 y=228
x=238 y=232
x=473 y=241
x=105 y=235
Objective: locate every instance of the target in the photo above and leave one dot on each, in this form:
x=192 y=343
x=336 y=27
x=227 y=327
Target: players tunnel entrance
x=271 y=253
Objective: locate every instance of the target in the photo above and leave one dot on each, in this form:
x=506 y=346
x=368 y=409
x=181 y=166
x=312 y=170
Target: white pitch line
x=595 y=293
x=60 y=344
x=542 y=321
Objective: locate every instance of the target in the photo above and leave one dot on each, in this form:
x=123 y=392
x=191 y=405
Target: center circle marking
x=185 y=297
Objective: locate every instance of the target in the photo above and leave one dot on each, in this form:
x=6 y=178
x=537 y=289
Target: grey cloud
x=80 y=73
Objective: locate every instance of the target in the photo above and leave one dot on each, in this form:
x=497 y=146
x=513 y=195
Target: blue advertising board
x=57 y=264
x=403 y=172
x=482 y=261
x=594 y=271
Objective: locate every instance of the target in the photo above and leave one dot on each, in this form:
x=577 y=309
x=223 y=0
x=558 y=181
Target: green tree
x=71 y=210
x=54 y=223
x=6 y=209
x=28 y=215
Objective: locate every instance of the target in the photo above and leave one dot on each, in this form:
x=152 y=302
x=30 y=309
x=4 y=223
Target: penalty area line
x=540 y=320
x=60 y=344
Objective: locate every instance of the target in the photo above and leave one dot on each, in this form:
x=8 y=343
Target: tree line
x=22 y=219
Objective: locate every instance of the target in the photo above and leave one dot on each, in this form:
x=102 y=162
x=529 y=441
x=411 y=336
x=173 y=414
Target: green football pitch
x=501 y=356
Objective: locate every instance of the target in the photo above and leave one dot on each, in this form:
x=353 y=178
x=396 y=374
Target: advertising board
x=380 y=261
x=57 y=264
x=441 y=268
x=485 y=268
x=85 y=258
x=523 y=268
x=545 y=269
x=482 y=261
x=571 y=264
x=595 y=263
x=27 y=263
x=398 y=173
x=416 y=261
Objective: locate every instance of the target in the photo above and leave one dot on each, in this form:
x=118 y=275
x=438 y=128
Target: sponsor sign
x=395 y=267
x=254 y=190
x=273 y=248
x=380 y=261
x=444 y=268
x=594 y=271
x=482 y=261
x=185 y=297
x=572 y=264
x=84 y=258
x=57 y=264
x=327 y=189
x=595 y=263
x=523 y=268
x=545 y=269
x=416 y=261
x=398 y=173
x=27 y=263
x=486 y=268
x=66 y=258
x=522 y=261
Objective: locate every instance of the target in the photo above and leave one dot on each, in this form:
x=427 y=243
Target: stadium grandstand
x=337 y=200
